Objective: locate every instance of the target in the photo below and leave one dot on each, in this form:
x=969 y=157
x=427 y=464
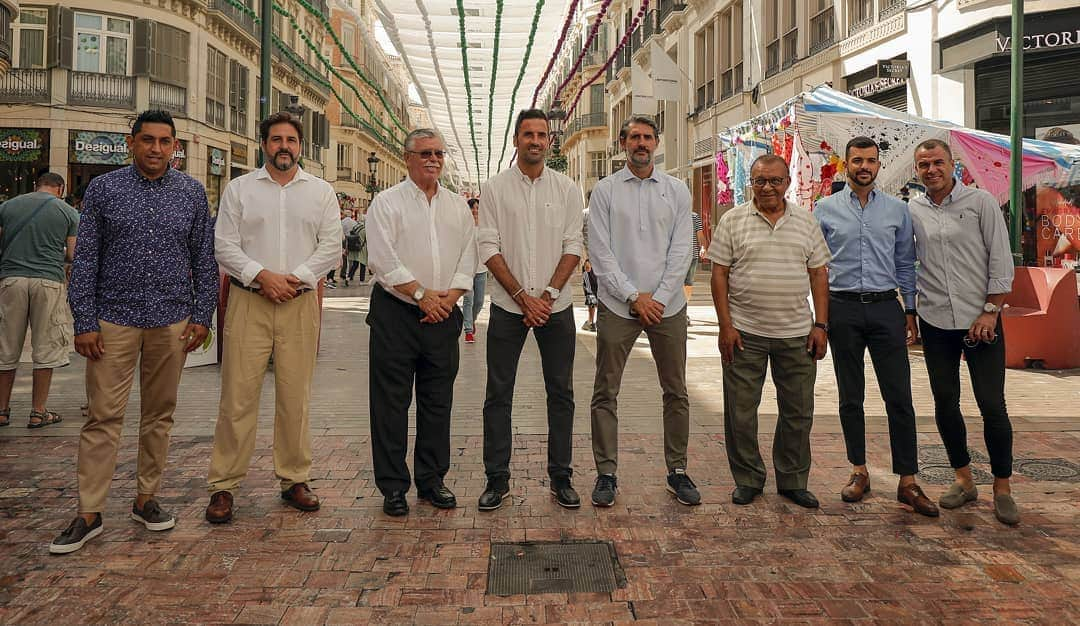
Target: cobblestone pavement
x=349 y=563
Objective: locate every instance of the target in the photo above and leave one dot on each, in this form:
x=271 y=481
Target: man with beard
x=965 y=273
x=422 y=242
x=639 y=244
x=873 y=253
x=278 y=231
x=769 y=256
x=530 y=239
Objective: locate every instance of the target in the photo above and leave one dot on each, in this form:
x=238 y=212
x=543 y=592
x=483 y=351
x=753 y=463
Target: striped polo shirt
x=768 y=285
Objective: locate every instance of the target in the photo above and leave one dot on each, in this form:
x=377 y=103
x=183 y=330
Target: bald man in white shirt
x=422 y=251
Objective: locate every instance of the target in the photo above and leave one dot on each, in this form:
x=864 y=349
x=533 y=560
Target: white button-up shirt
x=287 y=229
x=639 y=239
x=532 y=223
x=409 y=238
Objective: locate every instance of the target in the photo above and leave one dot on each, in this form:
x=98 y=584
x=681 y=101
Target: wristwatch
x=823 y=326
x=633 y=297
x=553 y=291
x=418 y=295
x=990 y=307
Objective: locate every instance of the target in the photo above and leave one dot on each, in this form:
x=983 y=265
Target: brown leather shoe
x=913 y=496
x=219 y=511
x=858 y=486
x=300 y=497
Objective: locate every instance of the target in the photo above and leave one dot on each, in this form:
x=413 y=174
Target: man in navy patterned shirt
x=143 y=290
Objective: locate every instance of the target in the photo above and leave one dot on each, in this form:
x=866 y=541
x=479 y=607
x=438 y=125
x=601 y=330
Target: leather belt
x=865 y=297
x=236 y=283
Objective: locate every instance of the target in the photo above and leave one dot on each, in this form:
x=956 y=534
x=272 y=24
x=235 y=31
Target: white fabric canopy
x=427 y=35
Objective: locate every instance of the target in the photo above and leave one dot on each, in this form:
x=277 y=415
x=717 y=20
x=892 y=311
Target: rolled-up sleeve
x=487 y=236
x=381 y=234
x=82 y=291
x=575 y=209
x=227 y=243
x=328 y=249
x=605 y=265
x=466 y=265
x=996 y=237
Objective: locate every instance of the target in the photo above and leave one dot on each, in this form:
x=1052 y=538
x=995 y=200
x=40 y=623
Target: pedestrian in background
x=698 y=243
x=473 y=302
x=590 y=287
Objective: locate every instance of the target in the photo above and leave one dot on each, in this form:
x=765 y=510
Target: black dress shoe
x=564 y=493
x=493 y=495
x=802 y=497
x=744 y=495
x=439 y=496
x=394 y=504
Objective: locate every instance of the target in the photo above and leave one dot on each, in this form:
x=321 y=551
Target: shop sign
x=217 y=162
x=21 y=145
x=1040 y=41
x=1042 y=31
x=98 y=148
x=890 y=68
x=179 y=156
x=876 y=86
x=239 y=152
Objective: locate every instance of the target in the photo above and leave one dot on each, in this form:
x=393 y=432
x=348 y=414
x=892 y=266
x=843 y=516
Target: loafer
x=394 y=504
x=1005 y=509
x=299 y=496
x=603 y=494
x=152 y=516
x=220 y=509
x=857 y=487
x=744 y=495
x=76 y=535
x=684 y=489
x=802 y=497
x=493 y=496
x=439 y=496
x=956 y=496
x=564 y=493
x=913 y=496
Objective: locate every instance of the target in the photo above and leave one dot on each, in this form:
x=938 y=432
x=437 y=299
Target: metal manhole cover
x=555 y=567
x=945 y=475
x=1057 y=470
x=936 y=455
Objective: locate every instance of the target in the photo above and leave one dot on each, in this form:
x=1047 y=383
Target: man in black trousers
x=870 y=236
x=422 y=251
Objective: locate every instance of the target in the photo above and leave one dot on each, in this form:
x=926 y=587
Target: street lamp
x=556 y=117
x=372 y=164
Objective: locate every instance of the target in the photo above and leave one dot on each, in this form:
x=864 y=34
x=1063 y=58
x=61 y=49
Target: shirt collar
x=626 y=175
x=263 y=173
x=164 y=178
x=525 y=177
x=414 y=189
x=751 y=208
x=958 y=190
x=851 y=193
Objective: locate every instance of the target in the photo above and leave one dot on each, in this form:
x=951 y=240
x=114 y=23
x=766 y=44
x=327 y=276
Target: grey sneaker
x=76 y=535
x=152 y=516
x=956 y=496
x=1005 y=509
x=606 y=488
x=679 y=483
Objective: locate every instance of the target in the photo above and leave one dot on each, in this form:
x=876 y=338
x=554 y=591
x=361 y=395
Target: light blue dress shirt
x=873 y=247
x=640 y=234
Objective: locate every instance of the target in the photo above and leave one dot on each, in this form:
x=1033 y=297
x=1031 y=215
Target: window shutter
x=61 y=35
x=143 y=63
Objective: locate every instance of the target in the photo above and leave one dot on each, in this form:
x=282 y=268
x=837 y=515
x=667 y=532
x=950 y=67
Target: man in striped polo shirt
x=768 y=255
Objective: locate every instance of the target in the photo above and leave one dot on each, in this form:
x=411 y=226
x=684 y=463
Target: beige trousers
x=160 y=355
x=254 y=329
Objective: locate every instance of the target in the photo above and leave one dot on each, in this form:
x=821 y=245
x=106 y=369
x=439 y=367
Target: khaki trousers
x=160 y=355
x=254 y=329
x=615 y=337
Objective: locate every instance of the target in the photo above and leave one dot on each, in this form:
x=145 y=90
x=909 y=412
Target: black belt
x=865 y=297
x=237 y=283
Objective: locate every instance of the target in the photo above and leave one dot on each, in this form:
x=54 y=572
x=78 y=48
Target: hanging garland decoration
x=593 y=32
x=491 y=88
x=468 y=86
x=356 y=68
x=521 y=75
x=614 y=53
x=558 y=47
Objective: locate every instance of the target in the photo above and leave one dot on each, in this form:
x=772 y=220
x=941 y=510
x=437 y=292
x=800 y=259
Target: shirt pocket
x=553 y=215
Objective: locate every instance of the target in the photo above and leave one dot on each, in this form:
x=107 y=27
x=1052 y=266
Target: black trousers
x=557 y=341
x=353 y=266
x=986 y=365
x=855 y=327
x=404 y=353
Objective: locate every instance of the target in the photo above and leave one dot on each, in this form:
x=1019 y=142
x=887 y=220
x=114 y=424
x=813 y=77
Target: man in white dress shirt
x=639 y=244
x=422 y=252
x=278 y=230
x=530 y=239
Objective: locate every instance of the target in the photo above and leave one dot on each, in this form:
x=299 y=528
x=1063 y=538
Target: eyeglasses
x=761 y=182
x=427 y=154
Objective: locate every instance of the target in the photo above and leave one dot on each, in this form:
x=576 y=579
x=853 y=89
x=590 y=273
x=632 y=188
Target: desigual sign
x=98 y=148
x=20 y=145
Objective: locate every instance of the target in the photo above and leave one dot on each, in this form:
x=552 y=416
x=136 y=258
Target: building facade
x=9 y=12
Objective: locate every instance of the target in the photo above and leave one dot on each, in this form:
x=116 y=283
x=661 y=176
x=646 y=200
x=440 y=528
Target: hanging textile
x=988 y=164
x=896 y=139
x=723 y=183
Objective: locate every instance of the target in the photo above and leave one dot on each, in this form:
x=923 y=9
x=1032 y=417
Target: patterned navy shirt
x=145 y=252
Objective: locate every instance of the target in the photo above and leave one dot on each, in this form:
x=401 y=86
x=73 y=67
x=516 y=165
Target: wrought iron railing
x=791 y=49
x=168 y=97
x=589 y=120
x=25 y=85
x=245 y=21
x=892 y=8
x=238 y=120
x=861 y=25
x=101 y=90
x=822 y=31
x=215 y=113
x=667 y=7
x=772 y=58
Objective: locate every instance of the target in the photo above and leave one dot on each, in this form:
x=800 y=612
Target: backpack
x=353 y=240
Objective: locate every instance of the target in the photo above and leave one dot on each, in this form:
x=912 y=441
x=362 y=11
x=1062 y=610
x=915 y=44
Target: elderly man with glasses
x=768 y=255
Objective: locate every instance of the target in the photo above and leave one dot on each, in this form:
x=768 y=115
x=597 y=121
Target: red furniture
x=1042 y=319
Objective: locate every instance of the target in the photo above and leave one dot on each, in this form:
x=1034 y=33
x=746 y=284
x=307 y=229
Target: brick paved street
x=349 y=563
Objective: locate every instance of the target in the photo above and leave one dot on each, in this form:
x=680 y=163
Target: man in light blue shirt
x=639 y=243
x=870 y=236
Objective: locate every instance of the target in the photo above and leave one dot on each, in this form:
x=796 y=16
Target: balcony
x=242 y=20
x=772 y=58
x=892 y=8
x=215 y=113
x=589 y=120
x=344 y=173
x=669 y=8
x=594 y=58
x=822 y=31
x=25 y=85
x=791 y=49
x=168 y=97
x=860 y=25
x=348 y=121
x=101 y=90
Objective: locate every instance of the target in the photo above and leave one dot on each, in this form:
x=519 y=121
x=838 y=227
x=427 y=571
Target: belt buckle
x=866 y=298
